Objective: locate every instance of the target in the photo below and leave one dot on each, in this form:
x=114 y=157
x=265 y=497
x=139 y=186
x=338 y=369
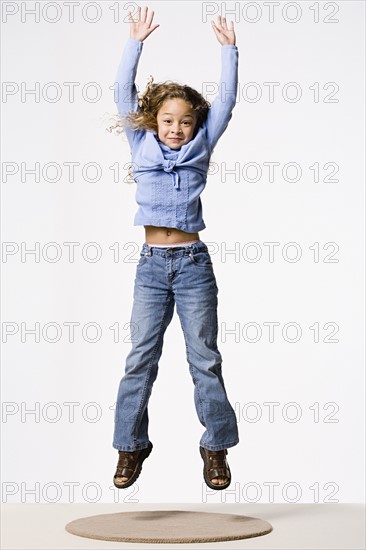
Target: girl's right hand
x=141 y=28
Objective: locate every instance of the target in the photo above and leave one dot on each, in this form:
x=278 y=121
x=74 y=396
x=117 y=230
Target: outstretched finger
x=153 y=28
x=144 y=16
x=149 y=21
x=216 y=29
x=218 y=24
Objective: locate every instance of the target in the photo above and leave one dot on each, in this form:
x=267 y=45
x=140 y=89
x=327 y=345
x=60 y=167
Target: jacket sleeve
x=125 y=91
x=220 y=112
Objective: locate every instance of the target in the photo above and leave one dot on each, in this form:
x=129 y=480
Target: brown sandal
x=130 y=465
x=215 y=465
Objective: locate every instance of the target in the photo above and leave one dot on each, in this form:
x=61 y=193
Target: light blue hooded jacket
x=170 y=181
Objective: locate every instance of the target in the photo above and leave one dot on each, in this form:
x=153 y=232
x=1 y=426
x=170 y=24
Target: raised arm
x=126 y=93
x=220 y=112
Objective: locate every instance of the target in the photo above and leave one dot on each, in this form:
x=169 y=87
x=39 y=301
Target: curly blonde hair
x=149 y=103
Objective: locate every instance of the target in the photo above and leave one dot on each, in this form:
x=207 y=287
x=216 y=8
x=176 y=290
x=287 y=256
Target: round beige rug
x=168 y=526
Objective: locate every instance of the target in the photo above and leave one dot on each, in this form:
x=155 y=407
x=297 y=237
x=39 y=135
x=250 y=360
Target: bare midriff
x=167 y=235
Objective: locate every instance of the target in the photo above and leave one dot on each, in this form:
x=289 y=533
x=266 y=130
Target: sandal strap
x=126 y=463
x=216 y=464
x=124 y=472
x=218 y=472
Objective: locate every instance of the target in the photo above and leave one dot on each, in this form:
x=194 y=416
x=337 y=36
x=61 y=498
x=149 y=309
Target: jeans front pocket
x=201 y=258
x=142 y=260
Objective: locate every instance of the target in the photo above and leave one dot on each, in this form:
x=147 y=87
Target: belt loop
x=147 y=249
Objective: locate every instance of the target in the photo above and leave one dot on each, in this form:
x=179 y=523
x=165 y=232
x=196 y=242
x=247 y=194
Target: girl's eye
x=185 y=122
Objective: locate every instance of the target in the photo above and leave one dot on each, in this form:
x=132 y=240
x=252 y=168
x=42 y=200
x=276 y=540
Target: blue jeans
x=164 y=277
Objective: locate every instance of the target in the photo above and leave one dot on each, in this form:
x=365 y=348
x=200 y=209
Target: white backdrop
x=298 y=391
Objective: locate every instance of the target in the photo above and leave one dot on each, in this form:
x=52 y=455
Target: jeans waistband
x=174 y=251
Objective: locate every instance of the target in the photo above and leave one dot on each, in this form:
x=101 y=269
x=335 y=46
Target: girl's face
x=176 y=121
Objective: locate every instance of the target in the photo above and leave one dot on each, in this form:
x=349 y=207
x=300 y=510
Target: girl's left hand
x=224 y=35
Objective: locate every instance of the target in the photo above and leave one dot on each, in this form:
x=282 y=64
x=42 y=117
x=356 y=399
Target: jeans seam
x=148 y=374
x=224 y=445
x=205 y=266
x=195 y=380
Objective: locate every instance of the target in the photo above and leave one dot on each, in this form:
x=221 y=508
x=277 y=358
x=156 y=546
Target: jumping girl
x=172 y=131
